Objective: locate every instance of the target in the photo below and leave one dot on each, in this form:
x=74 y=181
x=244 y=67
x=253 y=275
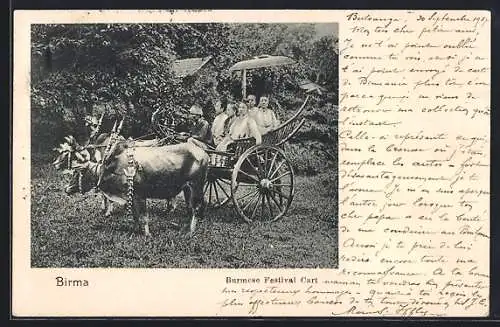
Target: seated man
x=201 y=134
x=265 y=117
x=251 y=102
x=241 y=127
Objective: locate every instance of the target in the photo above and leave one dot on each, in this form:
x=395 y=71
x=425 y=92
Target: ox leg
x=108 y=207
x=104 y=203
x=200 y=204
x=199 y=197
x=141 y=215
x=195 y=201
x=172 y=204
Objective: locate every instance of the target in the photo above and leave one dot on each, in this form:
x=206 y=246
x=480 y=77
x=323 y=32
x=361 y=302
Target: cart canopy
x=262 y=61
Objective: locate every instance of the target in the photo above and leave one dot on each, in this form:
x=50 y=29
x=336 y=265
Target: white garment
x=266 y=120
x=241 y=127
x=218 y=127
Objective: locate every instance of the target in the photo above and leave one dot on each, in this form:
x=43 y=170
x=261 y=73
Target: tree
x=125 y=70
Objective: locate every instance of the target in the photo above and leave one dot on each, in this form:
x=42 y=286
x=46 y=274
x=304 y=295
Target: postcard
x=251 y=163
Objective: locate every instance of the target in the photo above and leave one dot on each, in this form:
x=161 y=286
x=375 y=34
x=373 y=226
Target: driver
x=93 y=125
x=200 y=132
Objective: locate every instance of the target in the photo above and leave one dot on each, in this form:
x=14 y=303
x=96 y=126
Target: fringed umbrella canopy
x=261 y=62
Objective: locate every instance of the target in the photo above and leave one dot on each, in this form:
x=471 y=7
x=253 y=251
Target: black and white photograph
x=184 y=145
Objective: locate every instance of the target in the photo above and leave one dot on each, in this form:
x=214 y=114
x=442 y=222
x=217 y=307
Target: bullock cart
x=257 y=179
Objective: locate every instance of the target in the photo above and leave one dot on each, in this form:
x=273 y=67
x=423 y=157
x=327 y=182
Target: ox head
x=94 y=125
x=73 y=160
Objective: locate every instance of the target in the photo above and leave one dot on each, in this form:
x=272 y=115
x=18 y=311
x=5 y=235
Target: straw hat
x=196 y=110
x=91 y=120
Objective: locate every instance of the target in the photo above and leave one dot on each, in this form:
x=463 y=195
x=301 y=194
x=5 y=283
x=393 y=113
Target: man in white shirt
x=265 y=117
x=251 y=101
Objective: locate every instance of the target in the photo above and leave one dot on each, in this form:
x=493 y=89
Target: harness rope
x=107 y=152
x=69 y=160
x=80 y=183
x=130 y=172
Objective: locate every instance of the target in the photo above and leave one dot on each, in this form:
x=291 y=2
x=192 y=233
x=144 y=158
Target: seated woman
x=265 y=117
x=242 y=126
x=221 y=122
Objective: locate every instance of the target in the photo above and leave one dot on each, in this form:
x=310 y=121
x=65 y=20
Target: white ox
x=161 y=172
x=97 y=152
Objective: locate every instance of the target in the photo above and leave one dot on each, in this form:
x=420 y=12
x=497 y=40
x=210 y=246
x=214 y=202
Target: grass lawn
x=71 y=231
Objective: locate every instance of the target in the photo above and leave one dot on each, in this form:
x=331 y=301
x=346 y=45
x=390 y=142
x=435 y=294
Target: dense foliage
x=126 y=70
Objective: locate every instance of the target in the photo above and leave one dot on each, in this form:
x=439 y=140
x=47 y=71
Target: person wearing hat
x=201 y=129
x=93 y=124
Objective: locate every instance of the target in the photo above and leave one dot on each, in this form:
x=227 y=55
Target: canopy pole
x=244 y=84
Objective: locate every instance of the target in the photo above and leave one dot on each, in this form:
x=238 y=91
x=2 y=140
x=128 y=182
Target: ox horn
x=113 y=130
x=71 y=140
x=99 y=123
x=79 y=156
x=120 y=126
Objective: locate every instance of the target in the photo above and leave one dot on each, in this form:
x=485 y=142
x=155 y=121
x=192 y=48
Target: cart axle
x=266 y=184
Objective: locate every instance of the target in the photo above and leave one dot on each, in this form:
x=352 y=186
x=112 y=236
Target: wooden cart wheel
x=262 y=184
x=217 y=190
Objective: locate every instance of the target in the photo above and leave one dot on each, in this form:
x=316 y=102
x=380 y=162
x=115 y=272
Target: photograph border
x=495 y=224
x=284 y=268
x=226 y=239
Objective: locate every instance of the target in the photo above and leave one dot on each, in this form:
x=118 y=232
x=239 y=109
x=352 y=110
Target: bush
x=307 y=161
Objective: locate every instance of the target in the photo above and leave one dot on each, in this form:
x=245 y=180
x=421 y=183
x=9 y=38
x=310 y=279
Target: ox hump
x=197 y=152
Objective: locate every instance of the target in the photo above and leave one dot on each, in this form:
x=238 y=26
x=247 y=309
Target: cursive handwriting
x=414 y=163
x=413 y=166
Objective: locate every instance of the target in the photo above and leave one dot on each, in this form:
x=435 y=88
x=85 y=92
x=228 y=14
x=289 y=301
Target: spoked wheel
x=217 y=191
x=262 y=184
